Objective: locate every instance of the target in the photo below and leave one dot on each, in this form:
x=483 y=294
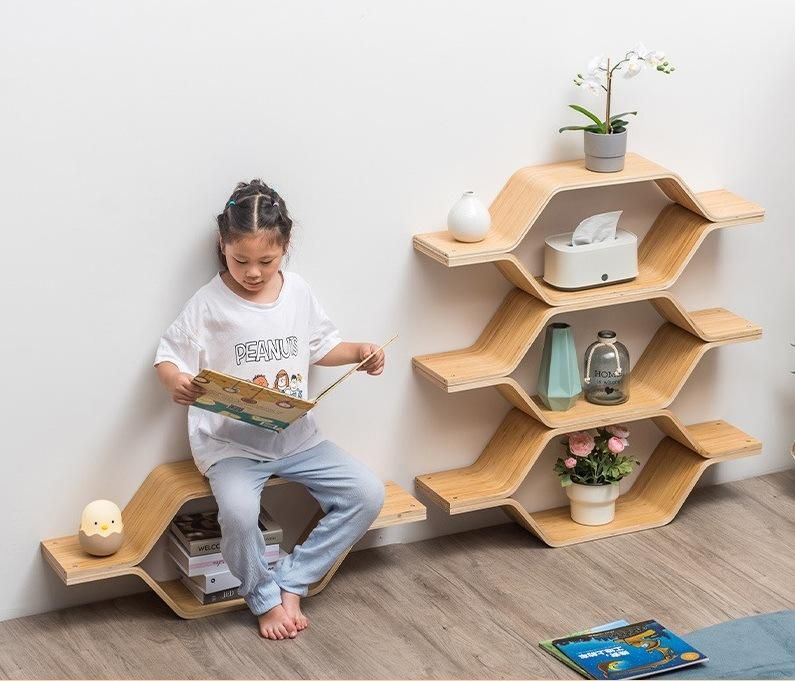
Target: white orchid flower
x=633 y=67
x=641 y=51
x=593 y=85
x=655 y=58
x=597 y=64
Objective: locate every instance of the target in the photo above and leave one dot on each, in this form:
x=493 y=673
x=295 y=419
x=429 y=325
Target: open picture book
x=251 y=403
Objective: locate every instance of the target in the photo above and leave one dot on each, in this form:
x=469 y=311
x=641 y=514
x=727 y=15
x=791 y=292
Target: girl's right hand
x=184 y=391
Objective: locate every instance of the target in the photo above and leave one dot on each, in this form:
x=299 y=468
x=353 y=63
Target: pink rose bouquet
x=593 y=457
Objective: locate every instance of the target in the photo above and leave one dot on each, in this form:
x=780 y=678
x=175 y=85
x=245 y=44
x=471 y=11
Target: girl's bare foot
x=292 y=606
x=277 y=624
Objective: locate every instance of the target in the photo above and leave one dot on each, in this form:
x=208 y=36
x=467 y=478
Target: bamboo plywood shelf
x=522 y=200
x=148 y=516
x=685 y=451
x=662 y=485
x=678 y=345
x=521 y=318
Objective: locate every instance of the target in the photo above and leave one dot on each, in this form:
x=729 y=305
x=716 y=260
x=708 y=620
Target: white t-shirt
x=268 y=343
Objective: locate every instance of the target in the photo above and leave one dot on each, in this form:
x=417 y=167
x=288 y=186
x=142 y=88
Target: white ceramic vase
x=592 y=504
x=468 y=219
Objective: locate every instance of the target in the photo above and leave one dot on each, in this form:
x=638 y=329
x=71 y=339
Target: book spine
x=216 y=596
x=216 y=581
x=192 y=570
x=207 y=598
x=204 y=547
x=214 y=562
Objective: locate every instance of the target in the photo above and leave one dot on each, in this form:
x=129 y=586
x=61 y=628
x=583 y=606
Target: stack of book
x=620 y=650
x=194 y=544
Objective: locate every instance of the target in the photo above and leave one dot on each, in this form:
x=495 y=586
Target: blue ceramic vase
x=559 y=385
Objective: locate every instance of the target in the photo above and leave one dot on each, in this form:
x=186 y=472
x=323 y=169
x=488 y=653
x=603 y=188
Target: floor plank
x=471 y=605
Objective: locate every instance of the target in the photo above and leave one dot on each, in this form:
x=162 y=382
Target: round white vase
x=468 y=219
x=592 y=504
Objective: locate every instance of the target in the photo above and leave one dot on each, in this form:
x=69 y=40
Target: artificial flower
x=633 y=68
x=641 y=51
x=571 y=462
x=597 y=64
x=581 y=443
x=616 y=445
x=592 y=85
x=618 y=430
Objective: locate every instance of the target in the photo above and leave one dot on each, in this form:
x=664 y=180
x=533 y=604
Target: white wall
x=124 y=126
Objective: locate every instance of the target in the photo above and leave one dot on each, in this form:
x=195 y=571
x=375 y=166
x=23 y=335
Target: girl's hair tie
x=231 y=202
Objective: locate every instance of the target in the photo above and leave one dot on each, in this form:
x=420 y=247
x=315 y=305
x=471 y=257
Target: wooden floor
x=472 y=605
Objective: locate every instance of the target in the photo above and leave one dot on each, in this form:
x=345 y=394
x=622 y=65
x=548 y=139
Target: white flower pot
x=468 y=219
x=592 y=504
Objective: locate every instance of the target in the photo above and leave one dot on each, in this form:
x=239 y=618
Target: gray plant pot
x=605 y=153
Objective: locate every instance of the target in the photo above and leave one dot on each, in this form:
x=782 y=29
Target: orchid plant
x=599 y=77
x=592 y=457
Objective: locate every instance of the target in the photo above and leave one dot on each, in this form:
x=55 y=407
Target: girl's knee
x=372 y=494
x=237 y=513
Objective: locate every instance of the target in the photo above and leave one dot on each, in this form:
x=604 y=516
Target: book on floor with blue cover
x=632 y=651
x=552 y=650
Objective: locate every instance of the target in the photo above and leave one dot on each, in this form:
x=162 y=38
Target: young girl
x=254 y=320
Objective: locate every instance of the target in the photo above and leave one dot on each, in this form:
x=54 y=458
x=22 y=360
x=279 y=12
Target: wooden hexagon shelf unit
x=148 y=516
x=685 y=452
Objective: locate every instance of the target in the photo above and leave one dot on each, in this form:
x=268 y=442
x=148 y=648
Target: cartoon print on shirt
x=297 y=386
x=282 y=381
x=289 y=385
x=260 y=379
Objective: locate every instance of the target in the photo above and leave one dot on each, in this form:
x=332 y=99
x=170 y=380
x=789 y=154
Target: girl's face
x=253 y=260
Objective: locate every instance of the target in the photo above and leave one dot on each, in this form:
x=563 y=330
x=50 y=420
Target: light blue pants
x=349 y=493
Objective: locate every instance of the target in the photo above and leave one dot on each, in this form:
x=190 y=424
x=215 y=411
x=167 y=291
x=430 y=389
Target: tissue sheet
x=596 y=228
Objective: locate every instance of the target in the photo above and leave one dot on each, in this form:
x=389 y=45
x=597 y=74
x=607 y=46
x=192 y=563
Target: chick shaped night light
x=101 y=529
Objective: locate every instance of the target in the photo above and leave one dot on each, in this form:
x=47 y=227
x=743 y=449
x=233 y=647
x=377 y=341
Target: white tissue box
x=587 y=265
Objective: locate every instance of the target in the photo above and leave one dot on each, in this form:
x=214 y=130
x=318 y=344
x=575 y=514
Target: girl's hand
x=376 y=364
x=184 y=391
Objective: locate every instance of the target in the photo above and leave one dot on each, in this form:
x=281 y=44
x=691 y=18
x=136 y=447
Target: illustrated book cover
x=632 y=651
x=552 y=650
x=257 y=405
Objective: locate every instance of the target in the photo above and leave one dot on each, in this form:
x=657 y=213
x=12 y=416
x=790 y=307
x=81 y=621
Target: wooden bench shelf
x=148 y=515
x=685 y=452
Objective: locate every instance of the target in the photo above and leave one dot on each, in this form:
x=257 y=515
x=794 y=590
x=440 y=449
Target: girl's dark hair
x=254 y=206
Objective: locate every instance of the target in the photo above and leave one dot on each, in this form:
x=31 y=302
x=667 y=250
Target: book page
x=350 y=371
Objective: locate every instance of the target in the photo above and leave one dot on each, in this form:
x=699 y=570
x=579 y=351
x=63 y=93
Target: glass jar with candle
x=606 y=378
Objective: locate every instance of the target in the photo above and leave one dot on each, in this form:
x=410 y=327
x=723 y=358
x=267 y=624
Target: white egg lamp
x=101 y=529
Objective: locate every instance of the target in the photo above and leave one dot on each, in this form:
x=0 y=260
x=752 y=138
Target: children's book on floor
x=624 y=651
x=256 y=404
x=552 y=650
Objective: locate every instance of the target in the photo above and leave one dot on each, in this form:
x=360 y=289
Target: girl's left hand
x=376 y=364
